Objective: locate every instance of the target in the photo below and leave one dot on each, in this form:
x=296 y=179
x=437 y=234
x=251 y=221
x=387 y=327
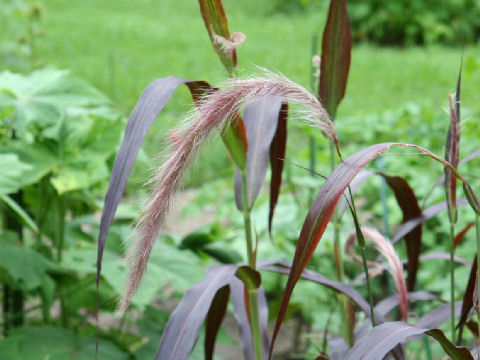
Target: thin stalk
x=254 y=316
x=60 y=244
x=477 y=230
x=452 y=280
x=361 y=242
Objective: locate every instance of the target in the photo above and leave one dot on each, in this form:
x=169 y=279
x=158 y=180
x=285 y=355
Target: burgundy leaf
x=214 y=319
x=467 y=303
x=282 y=267
x=215 y=20
x=239 y=310
x=335 y=61
x=187 y=319
x=409 y=204
x=149 y=105
x=277 y=156
x=322 y=210
x=386 y=336
x=461 y=234
x=429 y=213
x=260 y=119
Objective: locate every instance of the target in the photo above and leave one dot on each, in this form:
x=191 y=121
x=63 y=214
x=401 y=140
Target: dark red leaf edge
x=335 y=61
x=239 y=311
x=215 y=20
x=461 y=234
x=322 y=210
x=467 y=303
x=215 y=316
x=260 y=119
x=408 y=202
x=381 y=339
x=277 y=156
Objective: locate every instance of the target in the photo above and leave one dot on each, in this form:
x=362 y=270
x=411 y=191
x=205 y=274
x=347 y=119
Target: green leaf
x=55 y=343
x=19 y=212
x=24 y=267
x=12 y=170
x=42 y=96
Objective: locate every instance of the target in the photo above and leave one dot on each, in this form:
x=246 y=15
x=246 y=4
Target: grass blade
x=21 y=214
x=149 y=105
x=461 y=234
x=467 y=303
x=324 y=205
x=386 y=336
x=408 y=202
x=215 y=317
x=335 y=62
x=277 y=156
x=260 y=119
x=187 y=319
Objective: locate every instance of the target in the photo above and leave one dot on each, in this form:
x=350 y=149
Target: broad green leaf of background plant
x=23 y=267
x=55 y=343
x=42 y=95
x=168 y=266
x=12 y=169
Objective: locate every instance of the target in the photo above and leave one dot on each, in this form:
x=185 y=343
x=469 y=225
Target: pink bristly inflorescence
x=386 y=248
x=214 y=111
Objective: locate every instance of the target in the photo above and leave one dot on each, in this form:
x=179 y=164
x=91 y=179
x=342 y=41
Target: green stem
x=254 y=316
x=60 y=245
x=477 y=230
x=452 y=280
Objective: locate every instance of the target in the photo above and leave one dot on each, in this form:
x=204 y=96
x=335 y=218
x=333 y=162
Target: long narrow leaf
x=386 y=336
x=149 y=105
x=438 y=316
x=214 y=320
x=277 y=156
x=452 y=152
x=335 y=61
x=322 y=210
x=409 y=204
x=260 y=119
x=19 y=212
x=467 y=303
x=459 y=237
x=185 y=323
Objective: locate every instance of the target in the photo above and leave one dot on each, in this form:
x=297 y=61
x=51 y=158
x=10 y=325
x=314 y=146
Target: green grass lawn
x=120 y=46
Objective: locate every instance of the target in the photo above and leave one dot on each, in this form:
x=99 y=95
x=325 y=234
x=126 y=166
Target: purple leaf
x=383 y=338
x=215 y=316
x=187 y=319
x=322 y=210
x=260 y=119
x=277 y=156
x=335 y=62
x=409 y=204
x=149 y=105
x=467 y=303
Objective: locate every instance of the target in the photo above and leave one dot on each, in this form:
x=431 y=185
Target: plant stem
x=477 y=230
x=254 y=316
x=452 y=280
x=60 y=244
